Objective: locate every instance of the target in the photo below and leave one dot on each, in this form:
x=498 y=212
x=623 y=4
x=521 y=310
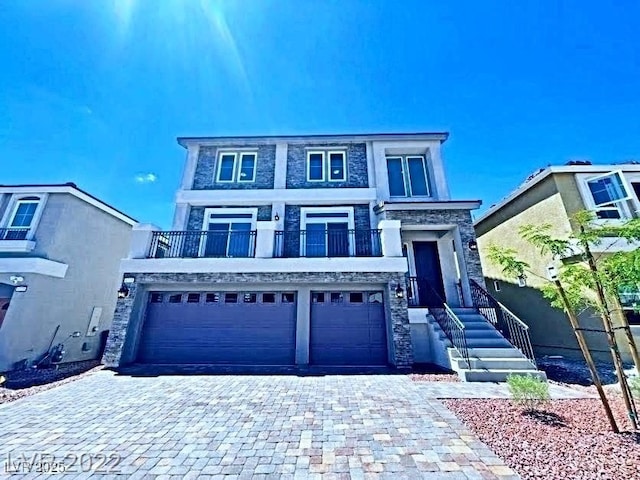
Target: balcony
x=327 y=243
x=16 y=240
x=203 y=244
x=266 y=249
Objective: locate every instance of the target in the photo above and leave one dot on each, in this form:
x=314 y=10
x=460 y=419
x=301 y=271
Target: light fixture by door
x=399 y=291
x=123 y=292
x=276 y=217
x=522 y=280
x=473 y=245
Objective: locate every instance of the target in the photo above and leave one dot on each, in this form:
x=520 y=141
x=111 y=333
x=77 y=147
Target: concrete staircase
x=491 y=357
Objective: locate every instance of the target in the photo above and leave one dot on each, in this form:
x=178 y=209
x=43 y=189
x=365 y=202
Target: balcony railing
x=203 y=244
x=13 y=233
x=327 y=243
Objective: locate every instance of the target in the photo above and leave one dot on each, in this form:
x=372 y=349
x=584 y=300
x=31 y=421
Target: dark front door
x=428 y=273
x=4 y=306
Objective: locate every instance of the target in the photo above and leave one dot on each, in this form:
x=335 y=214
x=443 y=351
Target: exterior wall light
x=21 y=288
x=522 y=280
x=473 y=245
x=276 y=217
x=399 y=292
x=123 y=292
x=129 y=280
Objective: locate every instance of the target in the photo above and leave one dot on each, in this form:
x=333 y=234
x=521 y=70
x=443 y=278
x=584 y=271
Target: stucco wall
x=551 y=333
x=92 y=243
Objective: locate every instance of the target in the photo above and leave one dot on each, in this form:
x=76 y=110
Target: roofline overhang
x=445 y=205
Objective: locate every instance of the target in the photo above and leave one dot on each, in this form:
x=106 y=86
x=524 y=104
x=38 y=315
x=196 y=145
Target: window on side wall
x=22 y=219
x=236 y=167
x=408 y=176
x=608 y=192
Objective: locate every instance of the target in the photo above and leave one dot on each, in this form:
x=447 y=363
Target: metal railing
x=420 y=293
x=327 y=243
x=202 y=244
x=503 y=319
x=13 y=233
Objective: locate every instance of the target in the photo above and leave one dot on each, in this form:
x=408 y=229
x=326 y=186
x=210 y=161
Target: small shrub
x=528 y=391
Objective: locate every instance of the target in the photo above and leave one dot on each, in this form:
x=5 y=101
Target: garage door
x=234 y=328
x=348 y=328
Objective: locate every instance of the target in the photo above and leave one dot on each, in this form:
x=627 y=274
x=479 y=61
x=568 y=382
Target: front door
x=428 y=273
x=4 y=306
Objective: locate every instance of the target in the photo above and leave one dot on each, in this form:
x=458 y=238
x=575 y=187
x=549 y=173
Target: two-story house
x=60 y=250
x=553 y=195
x=298 y=250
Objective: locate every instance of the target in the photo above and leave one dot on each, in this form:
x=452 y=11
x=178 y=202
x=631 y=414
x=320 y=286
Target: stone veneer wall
x=462 y=218
x=129 y=312
x=206 y=169
x=196 y=215
x=357 y=174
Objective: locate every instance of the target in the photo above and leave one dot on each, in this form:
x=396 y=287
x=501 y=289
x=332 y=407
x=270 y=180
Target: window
x=237 y=167
x=326 y=165
x=375 y=297
x=268 y=298
x=193 y=298
x=212 y=298
x=408 y=176
x=288 y=297
x=229 y=233
x=317 y=297
x=230 y=298
x=250 y=298
x=176 y=298
x=337 y=297
x=22 y=219
x=327 y=232
x=356 y=297
x=155 y=298
x=607 y=191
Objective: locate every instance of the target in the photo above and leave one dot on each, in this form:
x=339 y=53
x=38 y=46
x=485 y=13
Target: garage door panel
x=218 y=333
x=345 y=333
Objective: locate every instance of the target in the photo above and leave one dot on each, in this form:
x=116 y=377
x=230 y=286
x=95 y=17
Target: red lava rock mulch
x=434 y=377
x=29 y=382
x=572 y=440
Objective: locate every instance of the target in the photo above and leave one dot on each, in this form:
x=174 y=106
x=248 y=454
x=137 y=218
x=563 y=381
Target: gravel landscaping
x=23 y=383
x=570 y=439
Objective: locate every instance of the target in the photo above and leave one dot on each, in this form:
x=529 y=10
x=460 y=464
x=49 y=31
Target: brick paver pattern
x=247 y=427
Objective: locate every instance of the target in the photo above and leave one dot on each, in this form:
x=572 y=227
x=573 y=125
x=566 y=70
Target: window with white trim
x=608 y=192
x=326 y=165
x=22 y=219
x=327 y=232
x=230 y=232
x=408 y=176
x=237 y=167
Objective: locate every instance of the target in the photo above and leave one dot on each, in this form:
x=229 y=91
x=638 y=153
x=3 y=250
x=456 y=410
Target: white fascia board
x=294 y=196
x=575 y=169
x=72 y=191
x=40 y=266
x=448 y=205
x=263 y=265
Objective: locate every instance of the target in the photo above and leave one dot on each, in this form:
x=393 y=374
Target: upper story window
x=329 y=165
x=608 y=194
x=408 y=176
x=22 y=219
x=236 y=167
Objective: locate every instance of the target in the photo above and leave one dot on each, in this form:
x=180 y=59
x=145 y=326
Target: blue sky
x=96 y=92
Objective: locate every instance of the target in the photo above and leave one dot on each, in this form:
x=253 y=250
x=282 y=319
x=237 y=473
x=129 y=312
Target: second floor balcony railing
x=203 y=244
x=13 y=233
x=328 y=243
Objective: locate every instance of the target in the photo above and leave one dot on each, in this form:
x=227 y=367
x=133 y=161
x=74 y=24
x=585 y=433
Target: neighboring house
x=60 y=249
x=297 y=250
x=553 y=195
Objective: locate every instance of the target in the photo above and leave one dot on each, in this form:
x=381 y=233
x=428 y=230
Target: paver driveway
x=369 y=426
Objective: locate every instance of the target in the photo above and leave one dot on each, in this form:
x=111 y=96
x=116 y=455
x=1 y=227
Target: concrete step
x=483 y=333
x=506 y=352
x=488 y=363
x=464 y=310
x=497 y=342
x=480 y=375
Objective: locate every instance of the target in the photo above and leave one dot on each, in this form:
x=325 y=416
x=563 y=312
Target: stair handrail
x=512 y=328
x=451 y=325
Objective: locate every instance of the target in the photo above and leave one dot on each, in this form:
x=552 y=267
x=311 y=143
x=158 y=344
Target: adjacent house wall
x=92 y=243
x=551 y=333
